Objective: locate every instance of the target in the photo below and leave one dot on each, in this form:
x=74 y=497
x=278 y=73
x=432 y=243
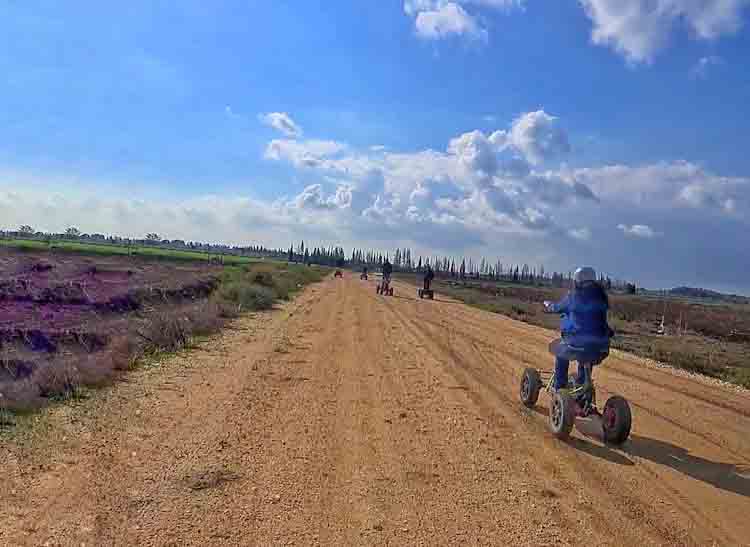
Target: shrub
x=205 y=319
x=225 y=309
x=165 y=331
x=248 y=297
x=57 y=380
x=125 y=351
x=740 y=376
x=686 y=360
x=284 y=287
x=20 y=395
x=264 y=279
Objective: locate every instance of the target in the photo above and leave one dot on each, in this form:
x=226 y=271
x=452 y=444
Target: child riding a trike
x=384 y=287
x=426 y=291
x=585 y=339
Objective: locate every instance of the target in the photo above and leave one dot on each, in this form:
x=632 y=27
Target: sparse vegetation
x=247 y=296
x=100 y=319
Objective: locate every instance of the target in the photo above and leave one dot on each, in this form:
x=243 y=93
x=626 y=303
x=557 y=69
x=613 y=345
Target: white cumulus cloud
x=475 y=152
x=637 y=230
x=667 y=185
x=312 y=198
x=538 y=136
x=493 y=194
x=436 y=19
x=308 y=153
x=583 y=234
x=446 y=20
x=481 y=181
x=533 y=137
x=639 y=29
x=282 y=122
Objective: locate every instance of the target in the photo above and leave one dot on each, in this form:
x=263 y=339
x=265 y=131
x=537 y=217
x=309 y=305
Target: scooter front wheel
x=531 y=384
x=561 y=415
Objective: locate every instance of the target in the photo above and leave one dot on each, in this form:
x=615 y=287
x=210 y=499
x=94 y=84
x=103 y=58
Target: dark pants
x=564 y=354
x=561 y=373
x=427 y=282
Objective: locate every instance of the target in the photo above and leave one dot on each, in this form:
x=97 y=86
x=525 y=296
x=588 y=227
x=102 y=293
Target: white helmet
x=584 y=274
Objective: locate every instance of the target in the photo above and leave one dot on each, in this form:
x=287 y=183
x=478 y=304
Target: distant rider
x=387 y=271
x=429 y=275
x=584 y=328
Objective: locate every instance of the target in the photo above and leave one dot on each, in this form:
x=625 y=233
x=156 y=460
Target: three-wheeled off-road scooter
x=384 y=287
x=426 y=290
x=426 y=293
x=577 y=404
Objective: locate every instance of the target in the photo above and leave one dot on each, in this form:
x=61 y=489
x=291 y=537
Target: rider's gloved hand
x=547 y=305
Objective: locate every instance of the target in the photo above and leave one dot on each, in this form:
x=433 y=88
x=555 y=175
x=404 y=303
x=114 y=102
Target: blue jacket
x=584 y=321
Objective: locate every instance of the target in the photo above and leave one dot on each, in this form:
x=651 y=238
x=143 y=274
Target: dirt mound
x=138 y=298
x=59 y=316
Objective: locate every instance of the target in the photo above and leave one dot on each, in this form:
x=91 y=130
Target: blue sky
x=597 y=131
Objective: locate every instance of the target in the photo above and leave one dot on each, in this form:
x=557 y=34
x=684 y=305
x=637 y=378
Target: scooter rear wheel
x=617 y=420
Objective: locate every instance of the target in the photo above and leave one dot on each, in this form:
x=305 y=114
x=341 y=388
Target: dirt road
x=352 y=419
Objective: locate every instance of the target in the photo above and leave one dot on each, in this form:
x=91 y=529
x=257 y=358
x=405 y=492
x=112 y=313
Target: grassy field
x=710 y=338
x=106 y=249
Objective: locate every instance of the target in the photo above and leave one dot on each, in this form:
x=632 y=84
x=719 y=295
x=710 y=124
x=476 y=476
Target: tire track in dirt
x=700 y=519
x=435 y=438
x=347 y=418
x=606 y=524
x=722 y=431
x=477 y=318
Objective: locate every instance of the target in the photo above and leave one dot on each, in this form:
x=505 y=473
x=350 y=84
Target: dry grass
x=169 y=328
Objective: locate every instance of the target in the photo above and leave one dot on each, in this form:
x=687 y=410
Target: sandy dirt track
x=352 y=419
